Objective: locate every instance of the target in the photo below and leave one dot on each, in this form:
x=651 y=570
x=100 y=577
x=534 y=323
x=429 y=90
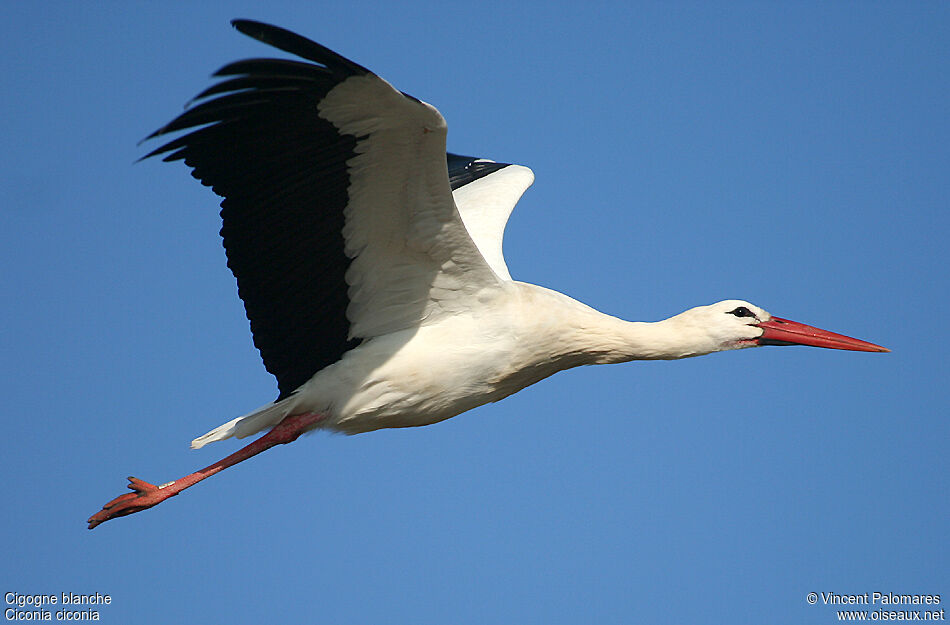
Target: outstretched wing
x=338 y=217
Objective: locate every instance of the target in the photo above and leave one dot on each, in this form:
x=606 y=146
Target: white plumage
x=371 y=266
x=485 y=206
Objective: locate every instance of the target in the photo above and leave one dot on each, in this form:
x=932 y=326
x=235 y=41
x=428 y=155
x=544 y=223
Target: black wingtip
x=251 y=28
x=299 y=45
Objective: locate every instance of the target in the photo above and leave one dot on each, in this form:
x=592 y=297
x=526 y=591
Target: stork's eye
x=741 y=311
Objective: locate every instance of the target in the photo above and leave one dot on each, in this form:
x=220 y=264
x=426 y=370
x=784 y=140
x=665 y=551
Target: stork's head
x=735 y=324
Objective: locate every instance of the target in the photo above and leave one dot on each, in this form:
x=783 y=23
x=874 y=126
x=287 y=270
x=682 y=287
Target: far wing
x=486 y=192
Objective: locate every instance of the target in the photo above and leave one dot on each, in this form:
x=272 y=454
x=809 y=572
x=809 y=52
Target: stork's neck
x=592 y=337
x=612 y=340
x=573 y=333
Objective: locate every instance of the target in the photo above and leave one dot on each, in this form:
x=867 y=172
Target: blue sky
x=794 y=155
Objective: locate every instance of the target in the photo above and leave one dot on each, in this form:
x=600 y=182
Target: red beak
x=778 y=331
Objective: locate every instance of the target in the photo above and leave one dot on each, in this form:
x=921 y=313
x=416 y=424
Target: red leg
x=146 y=495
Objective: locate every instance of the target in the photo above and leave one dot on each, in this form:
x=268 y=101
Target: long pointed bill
x=778 y=331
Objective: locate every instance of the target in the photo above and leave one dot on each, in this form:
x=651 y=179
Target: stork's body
x=518 y=334
x=427 y=374
x=371 y=267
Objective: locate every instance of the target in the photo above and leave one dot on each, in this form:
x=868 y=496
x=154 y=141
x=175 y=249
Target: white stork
x=372 y=273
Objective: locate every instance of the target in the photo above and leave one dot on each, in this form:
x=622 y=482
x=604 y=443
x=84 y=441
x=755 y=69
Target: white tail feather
x=251 y=423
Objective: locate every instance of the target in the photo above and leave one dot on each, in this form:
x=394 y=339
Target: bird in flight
x=370 y=261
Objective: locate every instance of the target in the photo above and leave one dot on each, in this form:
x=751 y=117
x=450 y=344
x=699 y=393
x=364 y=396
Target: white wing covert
x=412 y=257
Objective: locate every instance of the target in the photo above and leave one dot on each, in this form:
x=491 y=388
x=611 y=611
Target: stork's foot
x=144 y=496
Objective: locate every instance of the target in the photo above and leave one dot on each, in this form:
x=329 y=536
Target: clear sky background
x=795 y=155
